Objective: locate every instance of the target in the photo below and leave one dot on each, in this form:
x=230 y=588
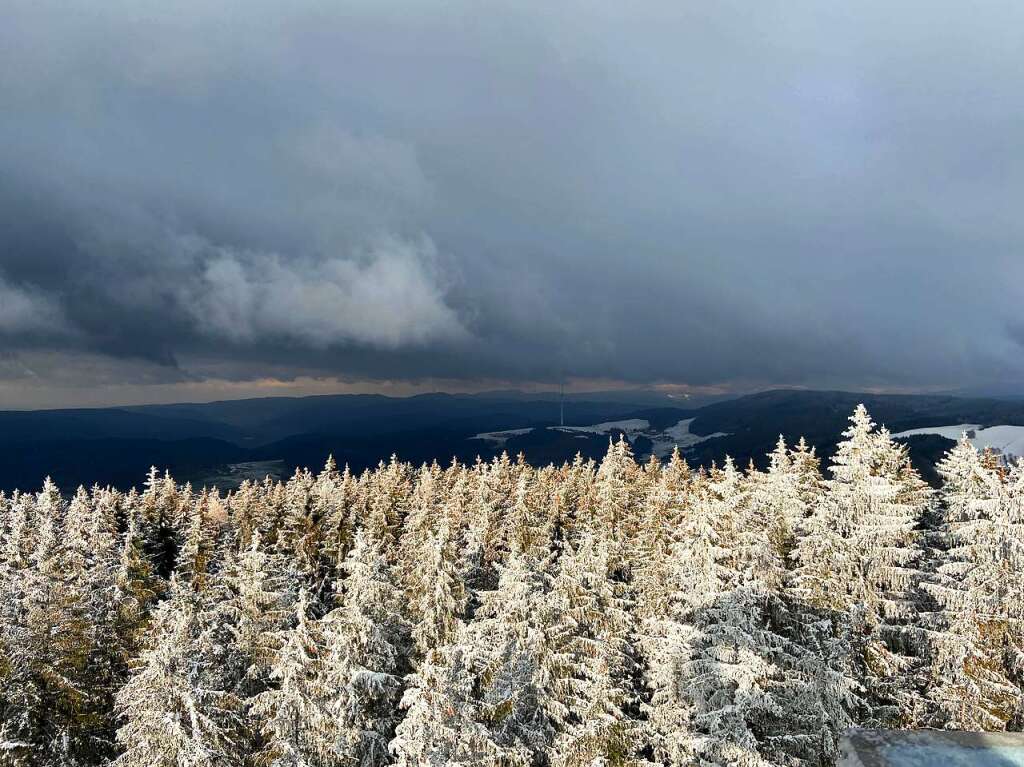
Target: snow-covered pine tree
x=298 y=537
x=256 y=606
x=802 y=706
x=807 y=466
x=366 y=656
x=731 y=495
x=196 y=548
x=13 y=581
x=387 y=500
x=14 y=689
x=17 y=543
x=858 y=559
x=438 y=595
x=525 y=662
x=246 y=512
x=57 y=647
x=592 y=621
x=30 y=735
x=575 y=497
x=89 y=578
x=729 y=686
x=970 y=684
x=779 y=498
x=616 y=498
x=529 y=525
x=458 y=493
x=330 y=514
x=1011 y=597
x=292 y=715
x=173 y=716
x=685 y=720
x=335 y=501
x=137 y=582
x=423 y=518
x=496 y=494
x=442 y=723
x=664 y=507
x=161 y=517
x=468 y=528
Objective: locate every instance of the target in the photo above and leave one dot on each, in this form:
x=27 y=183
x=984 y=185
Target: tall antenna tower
x=561 y=403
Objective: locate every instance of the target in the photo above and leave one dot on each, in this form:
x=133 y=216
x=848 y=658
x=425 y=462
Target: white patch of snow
x=923 y=755
x=1008 y=441
x=949 y=432
x=662 y=440
x=631 y=426
x=681 y=437
x=501 y=437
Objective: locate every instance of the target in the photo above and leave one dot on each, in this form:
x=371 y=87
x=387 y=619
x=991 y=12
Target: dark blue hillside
x=198 y=442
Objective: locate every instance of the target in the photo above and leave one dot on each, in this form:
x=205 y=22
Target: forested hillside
x=197 y=442
x=206 y=444
x=594 y=613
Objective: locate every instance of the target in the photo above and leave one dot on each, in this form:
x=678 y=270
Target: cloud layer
x=777 y=193
x=28 y=312
x=388 y=300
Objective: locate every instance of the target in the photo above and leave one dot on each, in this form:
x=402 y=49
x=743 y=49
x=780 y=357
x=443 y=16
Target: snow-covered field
x=631 y=426
x=949 y=432
x=1005 y=440
x=913 y=755
x=500 y=437
x=680 y=435
x=662 y=440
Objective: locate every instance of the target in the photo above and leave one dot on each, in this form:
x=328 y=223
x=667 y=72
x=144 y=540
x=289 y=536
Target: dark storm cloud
x=747 y=193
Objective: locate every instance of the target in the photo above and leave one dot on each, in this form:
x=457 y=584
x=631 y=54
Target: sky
x=202 y=200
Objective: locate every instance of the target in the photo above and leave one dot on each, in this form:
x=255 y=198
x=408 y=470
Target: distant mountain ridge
x=117 y=445
x=199 y=442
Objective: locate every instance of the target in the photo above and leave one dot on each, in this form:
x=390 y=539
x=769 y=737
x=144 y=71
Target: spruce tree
x=256 y=606
x=525 y=658
x=973 y=582
x=591 y=618
x=365 y=657
x=173 y=716
x=437 y=594
x=859 y=559
x=292 y=715
x=442 y=723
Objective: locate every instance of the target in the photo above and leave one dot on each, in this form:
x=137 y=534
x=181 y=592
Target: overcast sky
x=206 y=199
